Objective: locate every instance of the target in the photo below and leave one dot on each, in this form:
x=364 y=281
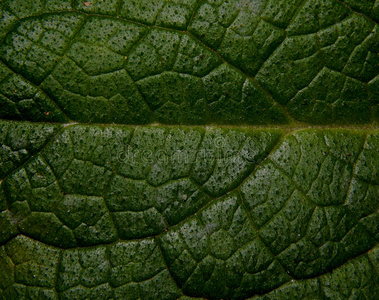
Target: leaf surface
x=189 y=149
x=221 y=213
x=191 y=62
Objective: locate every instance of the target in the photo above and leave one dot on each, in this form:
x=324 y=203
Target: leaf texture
x=184 y=149
x=219 y=213
x=190 y=62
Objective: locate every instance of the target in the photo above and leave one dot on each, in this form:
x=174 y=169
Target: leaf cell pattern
x=190 y=62
x=283 y=210
x=108 y=211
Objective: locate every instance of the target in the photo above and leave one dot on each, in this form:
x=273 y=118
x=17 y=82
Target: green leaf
x=189 y=149
x=190 y=62
x=221 y=213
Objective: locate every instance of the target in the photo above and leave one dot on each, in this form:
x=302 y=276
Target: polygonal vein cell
x=94 y=184
x=191 y=62
x=225 y=213
x=136 y=269
x=64 y=62
x=31 y=269
x=22 y=100
x=217 y=254
x=311 y=179
x=21 y=140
